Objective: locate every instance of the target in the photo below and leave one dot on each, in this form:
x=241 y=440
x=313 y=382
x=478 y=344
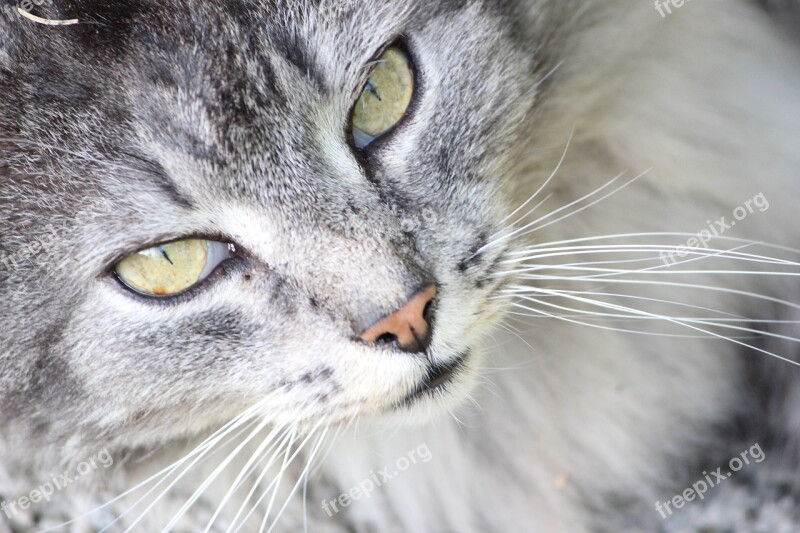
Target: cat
x=430 y=266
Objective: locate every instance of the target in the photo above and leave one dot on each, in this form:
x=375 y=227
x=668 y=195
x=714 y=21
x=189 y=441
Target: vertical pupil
x=370 y=88
x=165 y=255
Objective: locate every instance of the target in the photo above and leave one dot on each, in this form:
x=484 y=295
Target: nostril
x=386 y=338
x=427 y=313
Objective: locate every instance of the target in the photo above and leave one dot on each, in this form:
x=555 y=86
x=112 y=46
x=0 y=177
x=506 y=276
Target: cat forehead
x=305 y=33
x=248 y=95
x=313 y=37
x=256 y=99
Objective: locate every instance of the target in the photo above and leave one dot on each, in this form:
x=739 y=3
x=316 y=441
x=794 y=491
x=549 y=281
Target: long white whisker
x=277 y=481
x=720 y=323
x=244 y=472
x=709 y=288
x=603 y=273
x=208 y=443
x=584 y=208
x=213 y=476
x=573 y=320
x=303 y=475
x=658 y=300
x=542 y=186
x=683 y=322
x=654 y=234
x=524 y=230
x=286 y=462
x=702 y=253
x=278 y=446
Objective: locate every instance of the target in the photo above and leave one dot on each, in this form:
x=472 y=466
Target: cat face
x=231 y=122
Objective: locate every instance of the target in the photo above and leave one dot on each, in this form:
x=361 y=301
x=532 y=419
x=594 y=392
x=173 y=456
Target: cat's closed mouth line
x=437 y=379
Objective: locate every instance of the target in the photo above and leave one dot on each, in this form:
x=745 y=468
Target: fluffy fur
x=150 y=121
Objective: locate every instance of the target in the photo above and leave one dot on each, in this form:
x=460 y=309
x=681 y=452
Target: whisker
x=658 y=300
x=202 y=448
x=701 y=253
x=185 y=507
x=327 y=453
x=541 y=187
x=720 y=323
x=573 y=320
x=243 y=473
x=656 y=234
x=278 y=446
x=584 y=208
x=277 y=480
x=287 y=444
x=303 y=475
x=710 y=288
x=284 y=466
x=686 y=323
x=524 y=230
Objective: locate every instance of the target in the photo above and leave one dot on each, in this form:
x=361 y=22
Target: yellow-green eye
x=171 y=268
x=385 y=98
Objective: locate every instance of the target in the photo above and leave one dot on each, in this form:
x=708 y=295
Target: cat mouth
x=436 y=380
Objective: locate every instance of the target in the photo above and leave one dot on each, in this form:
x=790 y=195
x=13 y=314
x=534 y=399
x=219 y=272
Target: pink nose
x=409 y=328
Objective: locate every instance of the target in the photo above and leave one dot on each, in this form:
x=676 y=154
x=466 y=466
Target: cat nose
x=408 y=328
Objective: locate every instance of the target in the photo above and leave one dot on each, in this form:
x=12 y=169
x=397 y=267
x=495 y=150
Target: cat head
x=228 y=128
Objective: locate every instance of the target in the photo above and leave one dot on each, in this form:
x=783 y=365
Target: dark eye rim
x=237 y=262
x=401 y=43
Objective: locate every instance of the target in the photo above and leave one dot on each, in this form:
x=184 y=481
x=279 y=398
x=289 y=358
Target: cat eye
x=385 y=98
x=171 y=268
